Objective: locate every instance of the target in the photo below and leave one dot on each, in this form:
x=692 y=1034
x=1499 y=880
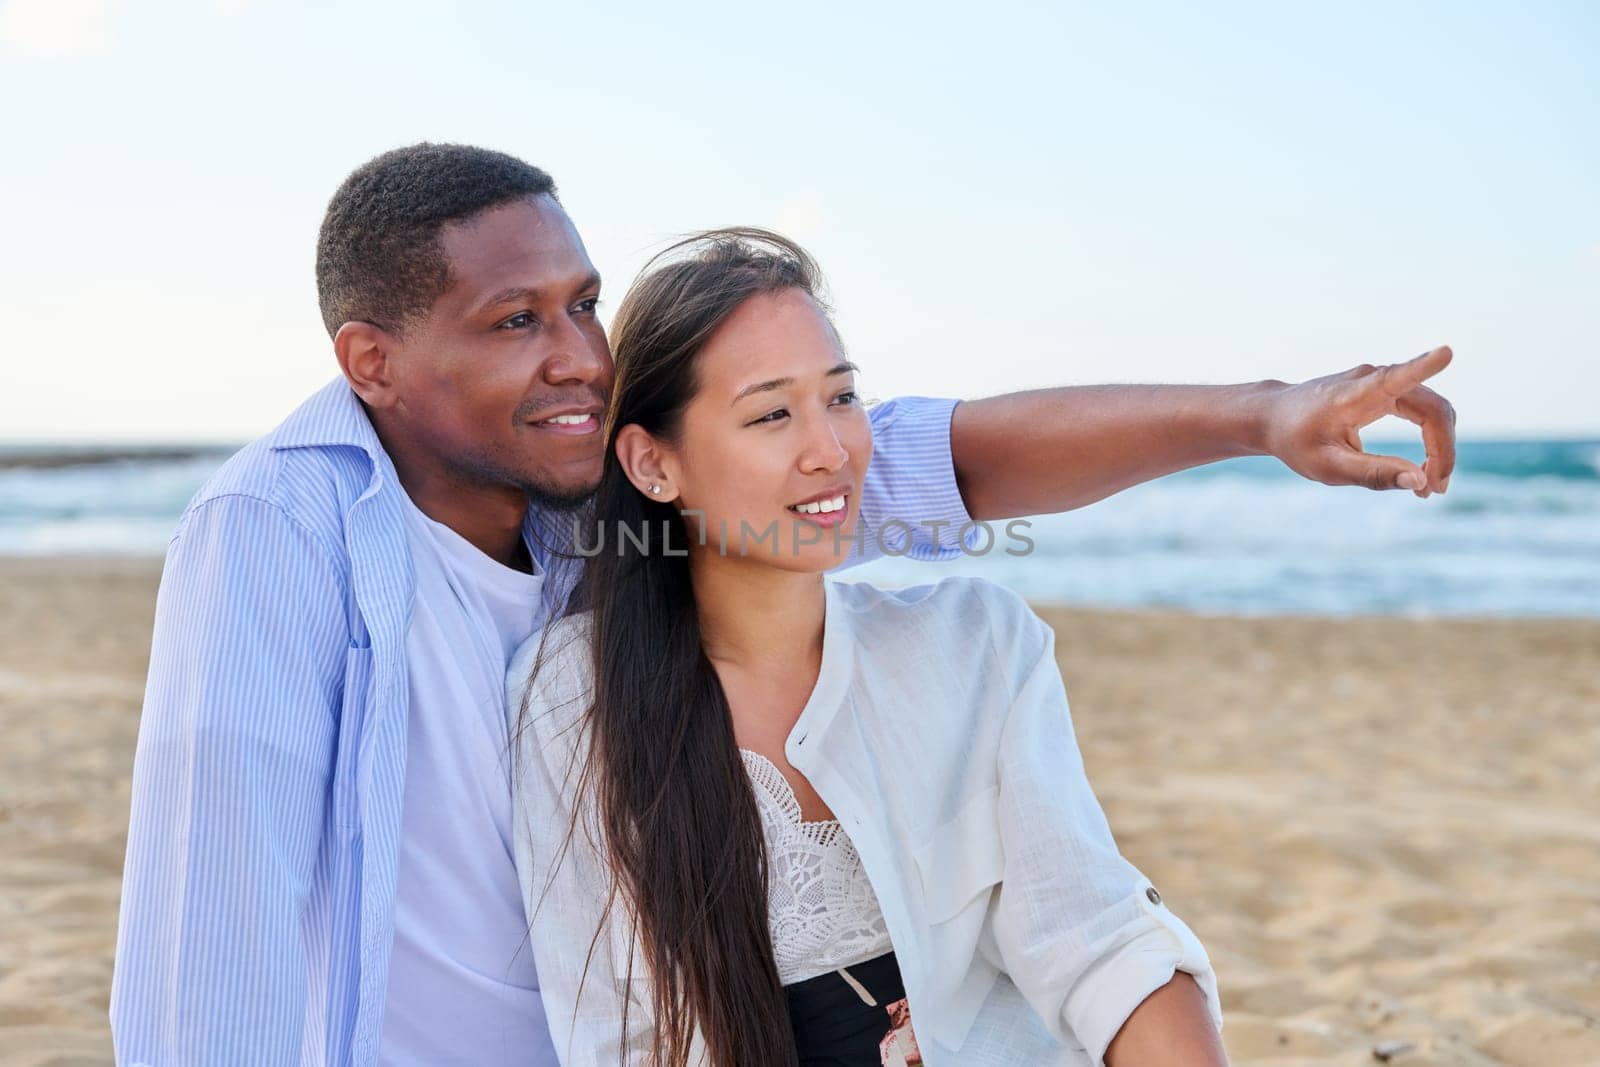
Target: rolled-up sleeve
x=1120 y=979
x=1083 y=933
x=910 y=504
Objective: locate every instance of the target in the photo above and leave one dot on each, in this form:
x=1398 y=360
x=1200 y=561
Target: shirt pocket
x=962 y=858
x=960 y=867
x=352 y=714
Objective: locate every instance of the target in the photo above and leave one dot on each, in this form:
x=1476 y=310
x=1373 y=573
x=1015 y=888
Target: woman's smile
x=828 y=508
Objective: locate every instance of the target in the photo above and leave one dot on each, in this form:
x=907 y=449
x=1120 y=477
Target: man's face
x=512 y=344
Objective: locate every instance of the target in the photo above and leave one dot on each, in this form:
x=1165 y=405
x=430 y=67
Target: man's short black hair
x=379 y=258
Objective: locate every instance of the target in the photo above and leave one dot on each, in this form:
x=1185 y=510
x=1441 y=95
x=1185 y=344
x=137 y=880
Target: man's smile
x=571 y=424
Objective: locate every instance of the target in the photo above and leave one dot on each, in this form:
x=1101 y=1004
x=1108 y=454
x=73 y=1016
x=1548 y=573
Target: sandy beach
x=1383 y=830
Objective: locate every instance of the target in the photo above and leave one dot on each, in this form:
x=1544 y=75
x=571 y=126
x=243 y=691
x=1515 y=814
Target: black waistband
x=832 y=1022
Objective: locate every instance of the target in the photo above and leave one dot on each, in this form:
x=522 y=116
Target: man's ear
x=364 y=355
x=646 y=463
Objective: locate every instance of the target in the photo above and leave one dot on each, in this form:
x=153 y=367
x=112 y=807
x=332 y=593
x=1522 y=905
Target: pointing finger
x=1400 y=378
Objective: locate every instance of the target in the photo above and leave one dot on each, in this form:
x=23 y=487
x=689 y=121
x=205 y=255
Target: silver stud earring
x=655 y=489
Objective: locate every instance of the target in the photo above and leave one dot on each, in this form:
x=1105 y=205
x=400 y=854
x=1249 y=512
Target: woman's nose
x=824 y=451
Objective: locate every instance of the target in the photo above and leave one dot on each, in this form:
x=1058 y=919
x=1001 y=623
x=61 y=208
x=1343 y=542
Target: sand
x=1383 y=830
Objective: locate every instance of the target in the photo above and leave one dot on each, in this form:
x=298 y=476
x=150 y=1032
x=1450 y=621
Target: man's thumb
x=1378 y=472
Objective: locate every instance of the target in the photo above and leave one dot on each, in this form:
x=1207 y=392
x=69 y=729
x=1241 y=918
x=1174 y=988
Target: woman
x=766 y=817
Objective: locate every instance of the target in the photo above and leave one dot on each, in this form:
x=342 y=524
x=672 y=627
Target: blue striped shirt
x=258 y=890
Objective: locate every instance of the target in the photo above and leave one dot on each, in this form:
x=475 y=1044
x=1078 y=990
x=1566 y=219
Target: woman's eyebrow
x=778 y=383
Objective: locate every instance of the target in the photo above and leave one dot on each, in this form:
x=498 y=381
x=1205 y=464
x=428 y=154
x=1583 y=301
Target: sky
x=1003 y=196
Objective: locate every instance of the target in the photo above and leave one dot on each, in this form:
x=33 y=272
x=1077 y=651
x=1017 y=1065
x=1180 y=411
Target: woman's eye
x=587 y=307
x=847 y=397
x=520 y=321
x=772 y=416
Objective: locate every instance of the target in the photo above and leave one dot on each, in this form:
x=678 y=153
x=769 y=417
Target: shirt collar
x=333 y=415
x=833 y=680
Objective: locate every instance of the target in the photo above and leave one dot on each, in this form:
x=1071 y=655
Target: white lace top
x=822 y=910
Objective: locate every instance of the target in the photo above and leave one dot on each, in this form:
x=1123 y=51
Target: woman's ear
x=644 y=461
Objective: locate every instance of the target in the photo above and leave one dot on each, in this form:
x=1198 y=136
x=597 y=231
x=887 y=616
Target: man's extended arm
x=1053 y=450
x=230 y=792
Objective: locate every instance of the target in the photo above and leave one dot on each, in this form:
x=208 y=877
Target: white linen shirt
x=939 y=734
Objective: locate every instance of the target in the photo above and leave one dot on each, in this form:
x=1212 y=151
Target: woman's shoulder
x=980 y=628
x=959 y=603
x=553 y=669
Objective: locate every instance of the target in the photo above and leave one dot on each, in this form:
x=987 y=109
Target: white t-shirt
x=462 y=985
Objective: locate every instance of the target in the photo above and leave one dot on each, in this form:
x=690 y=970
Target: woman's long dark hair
x=682 y=829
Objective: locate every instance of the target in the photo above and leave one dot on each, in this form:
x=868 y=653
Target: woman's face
x=775 y=444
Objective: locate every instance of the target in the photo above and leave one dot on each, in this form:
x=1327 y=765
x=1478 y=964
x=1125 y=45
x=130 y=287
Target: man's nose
x=575 y=356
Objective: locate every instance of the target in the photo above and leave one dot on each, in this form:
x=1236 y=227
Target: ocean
x=1517 y=535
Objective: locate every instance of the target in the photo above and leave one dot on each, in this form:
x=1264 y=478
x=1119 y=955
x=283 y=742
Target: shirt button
x=1152 y=895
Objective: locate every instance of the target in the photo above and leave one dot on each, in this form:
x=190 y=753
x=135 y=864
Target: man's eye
x=587 y=307
x=772 y=416
x=520 y=321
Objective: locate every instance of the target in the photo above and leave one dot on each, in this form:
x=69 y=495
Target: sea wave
x=1518 y=534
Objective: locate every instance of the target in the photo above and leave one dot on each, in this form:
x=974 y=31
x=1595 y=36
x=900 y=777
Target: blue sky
x=1003 y=196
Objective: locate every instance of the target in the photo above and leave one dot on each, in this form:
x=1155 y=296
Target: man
x=319 y=863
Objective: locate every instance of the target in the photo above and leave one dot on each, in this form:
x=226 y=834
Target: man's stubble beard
x=549 y=499
x=540 y=493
